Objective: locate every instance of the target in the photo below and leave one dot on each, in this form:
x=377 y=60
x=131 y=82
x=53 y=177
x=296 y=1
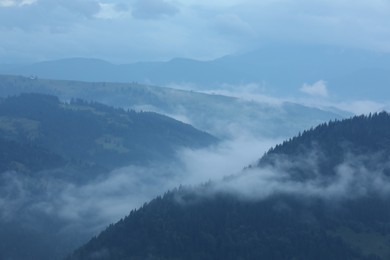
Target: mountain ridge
x=282 y=69
x=205 y=111
x=94 y=133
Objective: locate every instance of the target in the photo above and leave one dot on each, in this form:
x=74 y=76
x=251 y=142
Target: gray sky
x=137 y=30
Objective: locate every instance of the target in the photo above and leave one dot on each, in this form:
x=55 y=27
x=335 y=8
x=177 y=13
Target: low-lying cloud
x=87 y=208
x=90 y=207
x=84 y=209
x=248 y=92
x=350 y=179
x=317 y=95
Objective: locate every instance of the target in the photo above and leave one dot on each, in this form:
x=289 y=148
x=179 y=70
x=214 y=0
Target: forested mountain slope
x=362 y=140
x=289 y=206
x=55 y=157
x=40 y=132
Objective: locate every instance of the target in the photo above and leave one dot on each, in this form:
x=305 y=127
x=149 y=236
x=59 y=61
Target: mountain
x=362 y=140
x=54 y=156
x=320 y=195
x=220 y=115
x=280 y=69
x=92 y=133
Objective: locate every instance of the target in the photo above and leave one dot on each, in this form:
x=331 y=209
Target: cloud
x=317 y=89
x=359 y=107
x=11 y=3
x=252 y=92
x=113 y=195
x=27 y=15
x=352 y=179
x=113 y=11
x=153 y=9
x=70 y=212
x=225 y=159
x=86 y=208
x=225 y=26
x=345 y=108
x=103 y=200
x=257 y=93
x=86 y=8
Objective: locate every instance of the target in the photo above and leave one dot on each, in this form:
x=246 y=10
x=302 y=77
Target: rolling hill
x=91 y=133
x=219 y=115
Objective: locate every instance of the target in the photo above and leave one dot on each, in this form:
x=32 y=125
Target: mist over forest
x=81 y=165
x=159 y=129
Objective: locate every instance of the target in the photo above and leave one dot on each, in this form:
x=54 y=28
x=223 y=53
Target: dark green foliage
x=365 y=139
x=40 y=132
x=363 y=134
x=223 y=227
x=26 y=157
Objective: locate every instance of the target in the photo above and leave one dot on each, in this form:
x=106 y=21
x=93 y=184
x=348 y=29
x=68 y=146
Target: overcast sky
x=138 y=30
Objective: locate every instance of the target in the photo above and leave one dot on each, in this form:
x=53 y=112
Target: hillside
x=54 y=158
x=222 y=116
x=363 y=140
x=87 y=133
x=286 y=207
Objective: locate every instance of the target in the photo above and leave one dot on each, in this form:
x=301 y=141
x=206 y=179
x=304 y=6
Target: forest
x=204 y=222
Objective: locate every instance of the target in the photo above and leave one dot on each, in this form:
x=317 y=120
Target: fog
x=71 y=212
x=85 y=209
x=350 y=179
x=48 y=214
x=318 y=95
x=95 y=204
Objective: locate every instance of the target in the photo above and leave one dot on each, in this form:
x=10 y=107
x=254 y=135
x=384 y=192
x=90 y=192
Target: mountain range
x=220 y=115
x=68 y=136
x=280 y=70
